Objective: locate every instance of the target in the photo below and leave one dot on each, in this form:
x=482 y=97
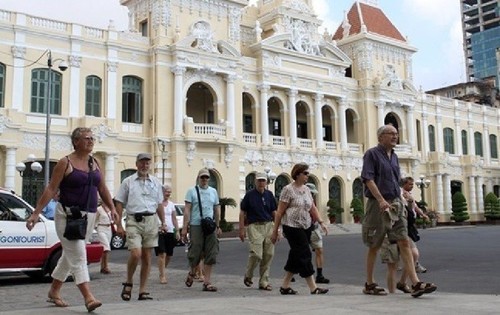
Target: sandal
x=144 y=296
x=209 y=288
x=92 y=305
x=126 y=294
x=266 y=287
x=403 y=287
x=422 y=288
x=57 y=301
x=287 y=291
x=105 y=271
x=374 y=289
x=248 y=281
x=189 y=280
x=319 y=291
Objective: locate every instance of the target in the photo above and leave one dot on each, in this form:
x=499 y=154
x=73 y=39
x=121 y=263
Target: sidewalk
x=234 y=298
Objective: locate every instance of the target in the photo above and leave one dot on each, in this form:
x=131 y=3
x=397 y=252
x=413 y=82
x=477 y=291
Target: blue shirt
x=259 y=207
x=383 y=170
x=50 y=209
x=209 y=199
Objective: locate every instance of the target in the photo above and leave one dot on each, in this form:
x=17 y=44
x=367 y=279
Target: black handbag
x=208 y=225
x=76 y=223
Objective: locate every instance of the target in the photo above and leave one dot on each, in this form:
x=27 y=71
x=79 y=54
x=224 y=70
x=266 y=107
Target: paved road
x=461 y=260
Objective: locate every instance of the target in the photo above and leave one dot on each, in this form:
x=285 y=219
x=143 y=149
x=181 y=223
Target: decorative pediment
x=201 y=37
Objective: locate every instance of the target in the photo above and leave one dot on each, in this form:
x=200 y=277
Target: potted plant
x=491 y=207
x=357 y=209
x=334 y=209
x=223 y=202
x=459 y=207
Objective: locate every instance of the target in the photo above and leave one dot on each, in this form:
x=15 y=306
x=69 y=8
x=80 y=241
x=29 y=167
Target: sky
x=431 y=26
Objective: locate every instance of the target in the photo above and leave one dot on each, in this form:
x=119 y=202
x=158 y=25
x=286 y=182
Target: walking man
x=142 y=196
x=258 y=208
x=201 y=245
x=385 y=213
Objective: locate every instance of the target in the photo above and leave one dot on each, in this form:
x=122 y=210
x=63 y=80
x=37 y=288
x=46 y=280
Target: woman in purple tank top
x=71 y=177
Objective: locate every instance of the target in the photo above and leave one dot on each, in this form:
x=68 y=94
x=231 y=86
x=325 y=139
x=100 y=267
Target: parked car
x=34 y=252
x=118 y=242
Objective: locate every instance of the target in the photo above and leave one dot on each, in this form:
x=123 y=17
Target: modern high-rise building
x=481 y=32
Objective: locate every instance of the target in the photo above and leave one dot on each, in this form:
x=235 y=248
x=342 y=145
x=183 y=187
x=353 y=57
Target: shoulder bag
x=76 y=223
x=207 y=224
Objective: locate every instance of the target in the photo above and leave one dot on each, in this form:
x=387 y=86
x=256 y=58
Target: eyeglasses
x=391 y=133
x=88 y=138
x=204 y=177
x=306 y=173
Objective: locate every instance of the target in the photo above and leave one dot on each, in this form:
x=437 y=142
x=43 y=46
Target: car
x=118 y=242
x=34 y=252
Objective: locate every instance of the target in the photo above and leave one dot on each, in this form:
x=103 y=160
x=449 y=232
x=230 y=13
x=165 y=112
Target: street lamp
x=164 y=155
x=271 y=176
x=35 y=168
x=63 y=65
x=422 y=183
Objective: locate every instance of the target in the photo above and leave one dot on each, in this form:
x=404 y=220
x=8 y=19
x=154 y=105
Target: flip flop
x=92 y=305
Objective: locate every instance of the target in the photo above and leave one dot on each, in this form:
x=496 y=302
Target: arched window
x=335 y=192
x=478 y=143
x=280 y=182
x=493 y=147
x=449 y=142
x=465 y=147
x=432 y=139
x=93 y=91
x=2 y=85
x=250 y=182
x=39 y=91
x=132 y=100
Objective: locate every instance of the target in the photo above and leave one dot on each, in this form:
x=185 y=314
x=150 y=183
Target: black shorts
x=166 y=244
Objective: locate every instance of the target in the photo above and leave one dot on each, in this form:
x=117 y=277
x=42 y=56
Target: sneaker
x=321 y=279
x=419 y=268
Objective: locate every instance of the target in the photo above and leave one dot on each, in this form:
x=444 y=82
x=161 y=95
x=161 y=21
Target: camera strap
x=199 y=200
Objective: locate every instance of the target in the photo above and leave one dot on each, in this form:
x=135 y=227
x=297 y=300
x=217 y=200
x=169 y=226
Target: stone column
x=380 y=113
x=439 y=132
x=10 y=168
x=292 y=97
x=111 y=89
x=447 y=193
x=178 y=97
x=18 y=52
x=74 y=87
x=110 y=172
x=342 y=124
x=479 y=191
x=439 y=193
x=472 y=195
x=318 y=121
x=486 y=146
x=264 y=121
x=425 y=129
x=230 y=104
x=410 y=122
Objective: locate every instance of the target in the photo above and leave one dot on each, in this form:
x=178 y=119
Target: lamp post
x=63 y=65
x=271 y=176
x=35 y=168
x=164 y=155
x=422 y=183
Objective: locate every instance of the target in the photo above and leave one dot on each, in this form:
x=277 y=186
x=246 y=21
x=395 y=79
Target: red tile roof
x=373 y=18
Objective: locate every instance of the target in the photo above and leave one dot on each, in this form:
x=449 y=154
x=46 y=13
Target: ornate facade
x=237 y=88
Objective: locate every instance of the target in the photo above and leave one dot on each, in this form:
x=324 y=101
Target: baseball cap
x=312 y=187
x=261 y=175
x=203 y=172
x=144 y=156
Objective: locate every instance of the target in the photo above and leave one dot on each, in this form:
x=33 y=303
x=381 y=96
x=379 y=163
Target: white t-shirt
x=169 y=209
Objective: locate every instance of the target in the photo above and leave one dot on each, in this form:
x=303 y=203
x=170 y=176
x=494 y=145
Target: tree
x=223 y=202
x=491 y=207
x=357 y=209
x=459 y=207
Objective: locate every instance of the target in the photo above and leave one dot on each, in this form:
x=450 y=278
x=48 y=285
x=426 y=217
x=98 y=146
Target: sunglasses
x=305 y=173
x=204 y=177
x=88 y=138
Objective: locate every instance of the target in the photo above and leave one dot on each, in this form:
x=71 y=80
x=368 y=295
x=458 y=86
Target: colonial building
x=237 y=89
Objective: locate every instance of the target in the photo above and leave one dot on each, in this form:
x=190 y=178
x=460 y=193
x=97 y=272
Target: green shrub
x=459 y=207
x=334 y=208
x=357 y=207
x=491 y=207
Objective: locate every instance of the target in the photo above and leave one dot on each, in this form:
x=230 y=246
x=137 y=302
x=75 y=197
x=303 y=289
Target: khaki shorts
x=389 y=253
x=316 y=238
x=376 y=224
x=142 y=234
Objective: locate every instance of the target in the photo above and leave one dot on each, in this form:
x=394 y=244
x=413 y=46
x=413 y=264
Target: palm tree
x=226 y=201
